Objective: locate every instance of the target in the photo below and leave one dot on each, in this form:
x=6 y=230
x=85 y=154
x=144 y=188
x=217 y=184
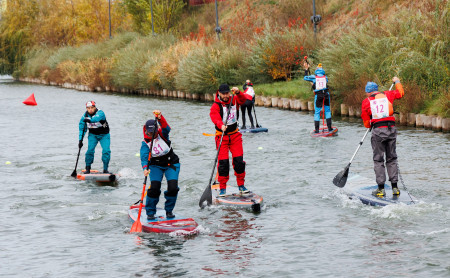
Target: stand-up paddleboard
x=254 y=130
x=323 y=132
x=97 y=176
x=234 y=198
x=161 y=224
x=361 y=188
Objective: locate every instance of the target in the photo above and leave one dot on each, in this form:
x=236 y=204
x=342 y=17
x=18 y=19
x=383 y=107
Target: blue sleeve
x=99 y=116
x=145 y=150
x=81 y=127
x=310 y=78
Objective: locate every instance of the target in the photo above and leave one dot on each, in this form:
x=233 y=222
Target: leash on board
x=403 y=183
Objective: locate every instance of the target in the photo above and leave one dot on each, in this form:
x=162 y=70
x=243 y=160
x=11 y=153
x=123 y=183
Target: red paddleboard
x=323 y=132
x=97 y=176
x=161 y=224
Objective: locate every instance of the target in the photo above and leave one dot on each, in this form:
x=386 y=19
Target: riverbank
x=434 y=123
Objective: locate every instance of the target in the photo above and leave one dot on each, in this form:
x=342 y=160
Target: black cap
x=150 y=126
x=224 y=88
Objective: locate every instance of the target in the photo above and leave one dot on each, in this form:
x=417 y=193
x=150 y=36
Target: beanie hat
x=371 y=87
x=319 y=71
x=90 y=103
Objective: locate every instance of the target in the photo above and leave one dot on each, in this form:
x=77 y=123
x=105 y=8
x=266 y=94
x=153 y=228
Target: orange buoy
x=30 y=100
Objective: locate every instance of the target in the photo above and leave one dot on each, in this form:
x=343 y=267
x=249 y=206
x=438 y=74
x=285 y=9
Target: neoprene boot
x=379 y=192
x=330 y=128
x=150 y=207
x=88 y=170
x=169 y=205
x=316 y=126
x=395 y=190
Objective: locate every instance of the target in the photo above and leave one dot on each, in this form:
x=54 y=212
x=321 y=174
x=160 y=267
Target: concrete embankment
x=435 y=123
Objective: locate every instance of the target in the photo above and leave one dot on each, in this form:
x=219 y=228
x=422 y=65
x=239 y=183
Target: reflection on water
x=236 y=243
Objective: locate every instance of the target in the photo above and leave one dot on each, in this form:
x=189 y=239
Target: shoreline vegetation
x=264 y=41
x=434 y=123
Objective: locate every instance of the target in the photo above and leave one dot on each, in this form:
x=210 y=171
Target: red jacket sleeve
x=365 y=112
x=240 y=98
x=214 y=114
x=398 y=93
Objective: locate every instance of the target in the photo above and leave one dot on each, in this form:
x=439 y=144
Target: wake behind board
x=97 y=176
x=323 y=132
x=234 y=198
x=161 y=224
x=361 y=188
x=254 y=130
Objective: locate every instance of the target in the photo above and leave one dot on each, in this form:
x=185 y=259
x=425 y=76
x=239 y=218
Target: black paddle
x=341 y=178
x=254 y=112
x=74 y=173
x=207 y=194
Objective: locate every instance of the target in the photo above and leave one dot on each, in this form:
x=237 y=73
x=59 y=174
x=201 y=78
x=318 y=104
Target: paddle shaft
x=138 y=227
x=254 y=112
x=74 y=173
x=217 y=156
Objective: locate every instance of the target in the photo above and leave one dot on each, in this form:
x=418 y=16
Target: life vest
x=97 y=128
x=162 y=152
x=381 y=108
x=321 y=82
x=231 y=123
x=251 y=92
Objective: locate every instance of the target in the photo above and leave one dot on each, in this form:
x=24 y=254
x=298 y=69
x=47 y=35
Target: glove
x=80 y=144
x=87 y=120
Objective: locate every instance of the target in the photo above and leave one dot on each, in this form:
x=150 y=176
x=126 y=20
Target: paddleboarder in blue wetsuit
x=163 y=162
x=322 y=96
x=95 y=121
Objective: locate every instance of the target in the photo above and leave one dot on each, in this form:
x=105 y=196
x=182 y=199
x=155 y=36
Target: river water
x=55 y=226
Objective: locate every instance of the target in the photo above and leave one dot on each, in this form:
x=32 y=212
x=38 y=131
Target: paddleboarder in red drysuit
x=377 y=112
x=232 y=138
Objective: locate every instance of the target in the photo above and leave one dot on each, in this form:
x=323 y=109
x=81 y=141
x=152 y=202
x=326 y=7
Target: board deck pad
x=254 y=130
x=323 y=132
x=361 y=188
x=161 y=224
x=97 y=176
x=234 y=198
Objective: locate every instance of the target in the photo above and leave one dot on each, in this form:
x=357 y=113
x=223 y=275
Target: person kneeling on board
x=377 y=112
x=163 y=161
x=248 y=104
x=232 y=138
x=95 y=121
x=322 y=96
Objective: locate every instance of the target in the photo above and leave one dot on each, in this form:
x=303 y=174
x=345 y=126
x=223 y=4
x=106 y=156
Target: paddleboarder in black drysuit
x=163 y=162
x=377 y=112
x=248 y=104
x=95 y=121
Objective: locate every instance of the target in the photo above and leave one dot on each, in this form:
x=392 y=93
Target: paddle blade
x=206 y=196
x=74 y=173
x=137 y=227
x=208 y=134
x=341 y=179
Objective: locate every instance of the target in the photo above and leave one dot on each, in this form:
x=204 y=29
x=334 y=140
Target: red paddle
x=137 y=226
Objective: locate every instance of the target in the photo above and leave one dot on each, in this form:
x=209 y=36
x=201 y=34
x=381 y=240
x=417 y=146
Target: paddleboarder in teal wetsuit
x=95 y=121
x=322 y=96
x=163 y=162
x=377 y=112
